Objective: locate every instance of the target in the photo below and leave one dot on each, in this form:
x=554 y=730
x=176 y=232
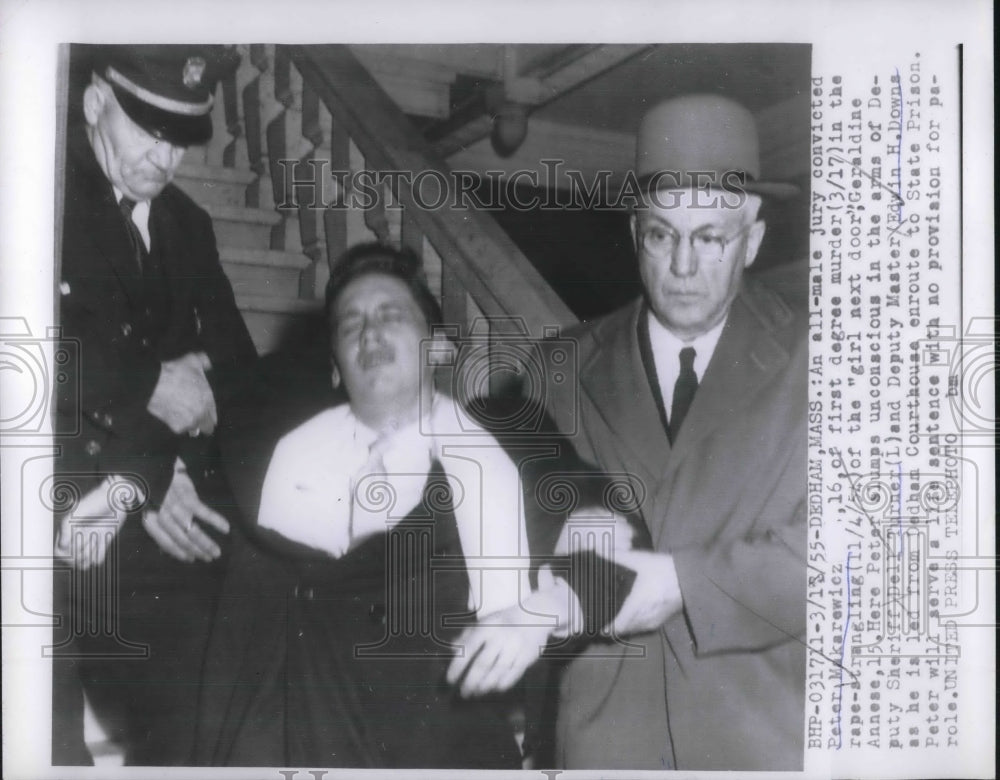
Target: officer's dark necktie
x=684 y=390
x=138 y=245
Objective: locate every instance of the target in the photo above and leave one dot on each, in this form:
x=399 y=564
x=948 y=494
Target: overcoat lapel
x=614 y=383
x=750 y=353
x=747 y=358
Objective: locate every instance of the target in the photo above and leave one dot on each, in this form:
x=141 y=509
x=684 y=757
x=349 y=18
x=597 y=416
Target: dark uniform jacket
x=125 y=323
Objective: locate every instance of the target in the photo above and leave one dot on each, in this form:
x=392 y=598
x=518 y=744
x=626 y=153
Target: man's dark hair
x=377 y=258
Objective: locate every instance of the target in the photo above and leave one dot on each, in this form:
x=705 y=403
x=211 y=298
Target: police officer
x=163 y=349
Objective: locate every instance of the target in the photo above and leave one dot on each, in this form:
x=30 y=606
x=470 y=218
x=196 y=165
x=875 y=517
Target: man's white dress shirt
x=332 y=482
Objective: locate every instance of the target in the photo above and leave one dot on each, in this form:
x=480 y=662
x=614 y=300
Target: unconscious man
x=385 y=600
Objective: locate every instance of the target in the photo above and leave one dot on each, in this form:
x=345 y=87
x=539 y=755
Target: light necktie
x=368 y=492
x=684 y=390
x=138 y=245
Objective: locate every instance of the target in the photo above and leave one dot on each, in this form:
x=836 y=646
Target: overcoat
x=721 y=685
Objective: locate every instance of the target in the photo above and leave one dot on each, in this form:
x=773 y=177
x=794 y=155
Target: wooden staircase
x=266 y=281
x=287 y=105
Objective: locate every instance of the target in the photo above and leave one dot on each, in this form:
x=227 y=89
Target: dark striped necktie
x=684 y=390
x=138 y=245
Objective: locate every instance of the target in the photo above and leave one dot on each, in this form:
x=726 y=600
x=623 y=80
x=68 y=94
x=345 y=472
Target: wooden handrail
x=473 y=247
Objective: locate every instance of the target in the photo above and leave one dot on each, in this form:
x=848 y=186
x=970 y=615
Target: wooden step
x=263 y=271
x=242 y=227
x=269 y=304
x=212 y=184
x=275 y=321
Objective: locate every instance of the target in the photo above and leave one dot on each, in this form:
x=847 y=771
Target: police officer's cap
x=166 y=89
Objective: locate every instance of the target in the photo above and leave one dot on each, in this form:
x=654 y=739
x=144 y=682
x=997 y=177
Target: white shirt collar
x=140 y=216
x=666 y=347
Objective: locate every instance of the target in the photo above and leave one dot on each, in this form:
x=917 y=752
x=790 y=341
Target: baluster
x=235 y=155
x=259 y=194
x=311 y=197
x=454 y=300
x=412 y=236
x=361 y=226
x=394 y=215
x=287 y=149
x=472 y=310
x=335 y=227
x=376 y=215
x=279 y=135
x=224 y=115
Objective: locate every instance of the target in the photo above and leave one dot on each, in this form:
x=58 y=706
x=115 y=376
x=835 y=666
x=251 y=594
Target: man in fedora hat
x=698 y=390
x=162 y=348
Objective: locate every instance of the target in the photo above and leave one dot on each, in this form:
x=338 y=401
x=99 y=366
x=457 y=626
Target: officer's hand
x=183 y=397
x=86 y=532
x=655 y=595
x=173 y=527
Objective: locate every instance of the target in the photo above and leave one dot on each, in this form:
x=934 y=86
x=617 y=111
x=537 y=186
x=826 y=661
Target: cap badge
x=194 y=69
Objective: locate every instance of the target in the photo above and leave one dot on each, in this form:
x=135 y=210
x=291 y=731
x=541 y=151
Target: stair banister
x=474 y=249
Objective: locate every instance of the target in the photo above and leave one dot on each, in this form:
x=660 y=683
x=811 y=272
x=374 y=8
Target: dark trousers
x=133 y=636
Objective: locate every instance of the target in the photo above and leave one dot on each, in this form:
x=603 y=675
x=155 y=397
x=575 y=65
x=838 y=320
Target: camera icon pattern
x=35 y=370
x=970 y=358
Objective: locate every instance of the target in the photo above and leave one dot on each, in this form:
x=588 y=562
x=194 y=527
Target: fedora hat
x=165 y=89
x=702 y=140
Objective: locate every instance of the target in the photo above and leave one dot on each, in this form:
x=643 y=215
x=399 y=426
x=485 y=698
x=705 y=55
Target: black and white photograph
x=497 y=399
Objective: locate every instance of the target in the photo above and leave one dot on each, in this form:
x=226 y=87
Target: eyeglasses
x=708 y=245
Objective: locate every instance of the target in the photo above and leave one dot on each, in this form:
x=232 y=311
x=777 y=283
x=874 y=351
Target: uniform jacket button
x=92 y=448
x=126 y=329
x=108 y=420
x=303 y=592
x=144 y=342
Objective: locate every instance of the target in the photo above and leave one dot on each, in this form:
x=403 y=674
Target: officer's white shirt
x=140 y=216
